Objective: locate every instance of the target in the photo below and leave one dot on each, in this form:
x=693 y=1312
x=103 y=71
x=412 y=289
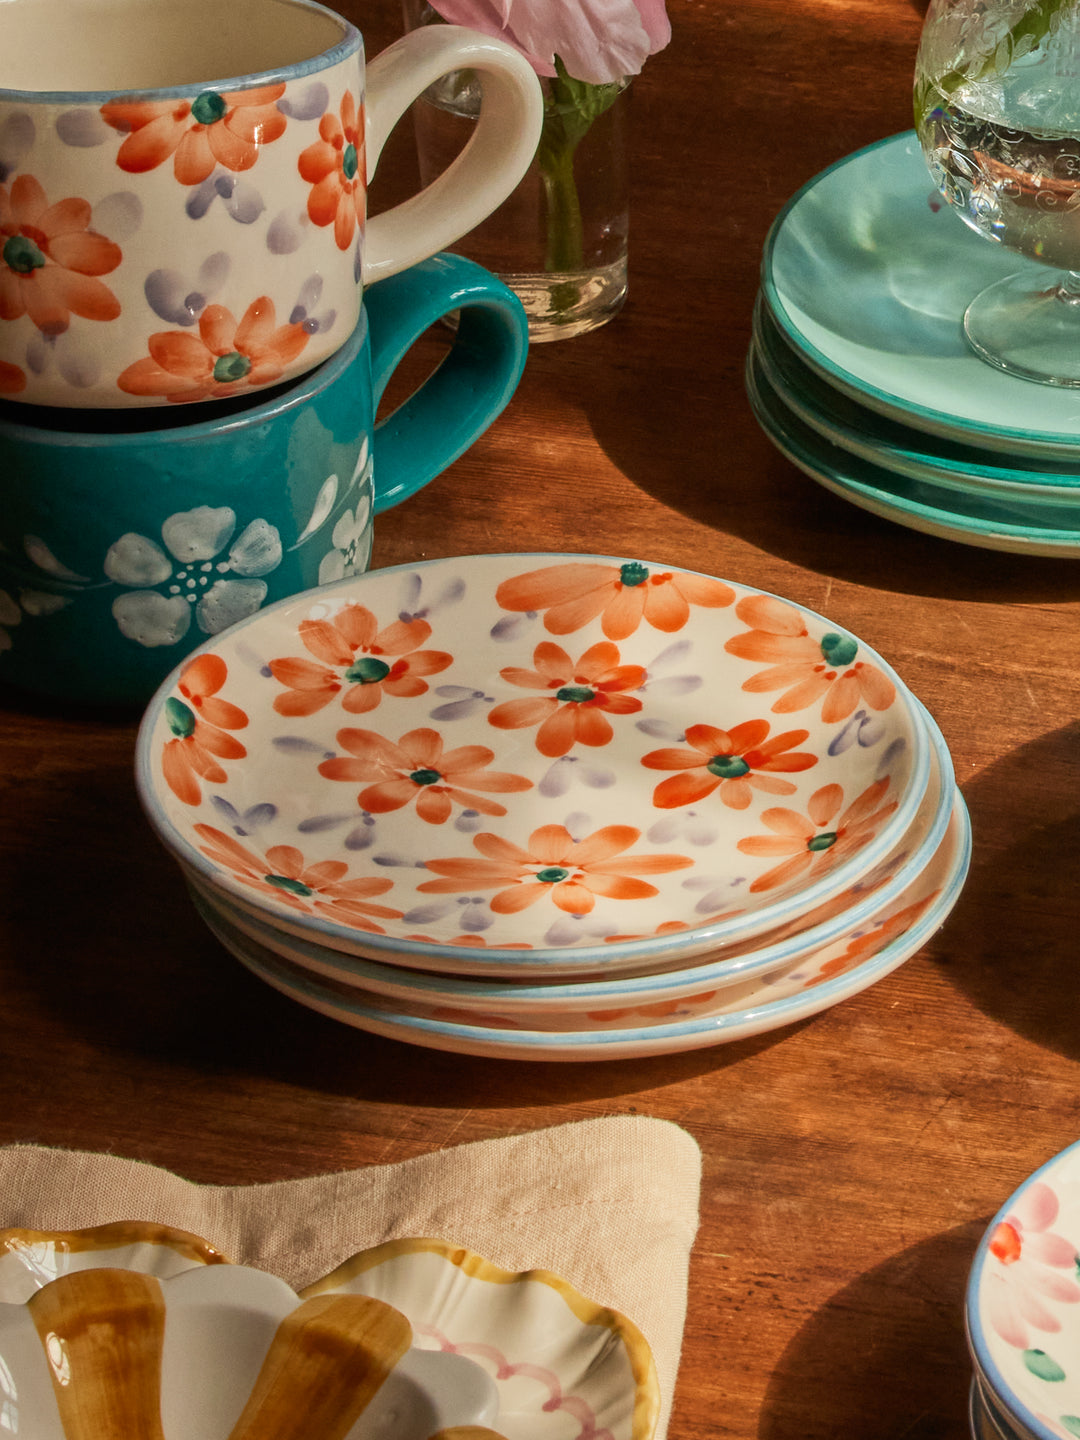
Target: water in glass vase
x=560 y=240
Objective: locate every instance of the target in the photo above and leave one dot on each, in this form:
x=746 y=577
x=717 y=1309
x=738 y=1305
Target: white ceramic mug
x=183 y=189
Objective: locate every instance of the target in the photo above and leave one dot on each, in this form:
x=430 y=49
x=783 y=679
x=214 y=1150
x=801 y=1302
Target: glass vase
x=560 y=240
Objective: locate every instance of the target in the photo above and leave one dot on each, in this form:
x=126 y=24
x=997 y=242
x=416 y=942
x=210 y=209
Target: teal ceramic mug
x=129 y=537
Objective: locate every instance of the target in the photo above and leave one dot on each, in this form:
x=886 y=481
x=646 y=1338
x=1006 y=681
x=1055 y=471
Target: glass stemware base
x=1029 y=326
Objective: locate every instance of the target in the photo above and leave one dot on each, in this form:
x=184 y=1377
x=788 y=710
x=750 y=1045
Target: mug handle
x=488 y=169
x=470 y=388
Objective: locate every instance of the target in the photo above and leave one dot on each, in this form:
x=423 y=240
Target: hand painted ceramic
x=127 y=538
x=659 y=993
x=617 y=1009
x=819 y=990
x=534 y=764
x=226 y=1350
x=562 y=1366
x=1023 y=1304
x=183 y=194
x=869 y=272
x=983 y=521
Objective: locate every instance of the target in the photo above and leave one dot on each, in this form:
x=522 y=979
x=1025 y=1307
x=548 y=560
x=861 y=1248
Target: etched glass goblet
x=997 y=111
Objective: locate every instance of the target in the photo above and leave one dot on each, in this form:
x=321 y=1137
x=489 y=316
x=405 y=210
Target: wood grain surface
x=852 y=1161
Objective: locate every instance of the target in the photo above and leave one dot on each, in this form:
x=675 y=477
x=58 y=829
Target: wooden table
x=850 y=1162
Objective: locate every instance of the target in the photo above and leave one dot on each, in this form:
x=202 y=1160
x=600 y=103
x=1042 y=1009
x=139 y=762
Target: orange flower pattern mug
x=183 y=209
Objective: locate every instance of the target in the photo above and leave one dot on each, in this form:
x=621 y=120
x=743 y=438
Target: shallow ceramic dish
x=562 y=1367
x=617 y=1009
x=986 y=523
x=1022 y=1305
x=868 y=273
x=213 y=1351
x=533 y=764
x=341 y=1002
x=908 y=452
x=666 y=992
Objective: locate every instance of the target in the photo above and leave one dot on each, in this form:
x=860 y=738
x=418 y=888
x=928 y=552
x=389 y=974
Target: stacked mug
x=198 y=318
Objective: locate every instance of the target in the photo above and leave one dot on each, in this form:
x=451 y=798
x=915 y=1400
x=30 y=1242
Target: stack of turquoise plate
x=860 y=374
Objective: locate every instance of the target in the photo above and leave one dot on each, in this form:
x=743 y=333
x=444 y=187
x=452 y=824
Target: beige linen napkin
x=611 y=1205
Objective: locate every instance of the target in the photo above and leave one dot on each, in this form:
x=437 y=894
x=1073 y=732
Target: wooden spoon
x=102 y=1332
x=327 y=1359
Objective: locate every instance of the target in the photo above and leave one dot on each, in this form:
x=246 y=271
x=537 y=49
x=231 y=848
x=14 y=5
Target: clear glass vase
x=560 y=240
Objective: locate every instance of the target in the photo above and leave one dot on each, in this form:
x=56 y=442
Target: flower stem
x=564 y=236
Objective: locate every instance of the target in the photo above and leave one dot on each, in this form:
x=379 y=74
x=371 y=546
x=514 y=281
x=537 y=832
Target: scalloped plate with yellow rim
x=558 y=1365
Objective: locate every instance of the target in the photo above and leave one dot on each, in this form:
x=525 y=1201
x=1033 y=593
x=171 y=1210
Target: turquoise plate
x=868 y=273
x=882 y=441
x=916 y=504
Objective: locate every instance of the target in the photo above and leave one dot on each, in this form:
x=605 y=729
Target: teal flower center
x=633 y=573
x=425 y=777
x=825 y=841
x=22 y=255
x=575 y=694
x=367 y=671
x=552 y=875
x=233 y=366
x=179 y=718
x=838 y=650
x=350 y=162
x=283 y=882
x=208 y=108
x=728 y=767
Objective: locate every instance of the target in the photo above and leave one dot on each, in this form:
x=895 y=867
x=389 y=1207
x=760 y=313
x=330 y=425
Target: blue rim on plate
x=915 y=504
x=868 y=273
x=672 y=1038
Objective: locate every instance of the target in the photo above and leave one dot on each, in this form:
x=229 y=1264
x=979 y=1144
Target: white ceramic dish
x=615 y=1008
x=341 y=1002
x=1023 y=1304
x=917 y=505
x=562 y=764
x=562 y=1367
x=868 y=273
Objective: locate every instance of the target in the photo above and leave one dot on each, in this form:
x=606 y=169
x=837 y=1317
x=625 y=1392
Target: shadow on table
x=700 y=452
x=884 y=1357
x=125 y=964
x=1011 y=942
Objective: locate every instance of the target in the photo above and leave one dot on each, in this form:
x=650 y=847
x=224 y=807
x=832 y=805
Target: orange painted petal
x=499 y=782
x=229 y=147
x=301 y=674
x=574 y=899
x=178 y=774
x=703 y=590
x=28 y=201
x=777 y=649
x=558 y=585
x=865 y=804
x=618 y=887
x=877 y=689
x=601 y=660
x=551 y=845
x=348 y=112
x=85 y=252
x=505 y=851
x=426 y=662
x=778 y=743
x=85 y=296
x=181 y=355
x=770 y=784
x=350 y=771
x=204 y=676
x=374 y=750
x=433 y=805
x=285 y=860
x=765 y=612
x=604 y=843
x=400 y=637
x=256 y=125
x=344 y=220
x=256 y=327
x=356 y=626
x=559 y=732
x=737 y=794
x=261 y=97
x=317 y=165
x=791 y=823
x=592 y=725
x=824 y=804
x=228 y=850
x=780 y=874
x=304 y=702
x=646 y=865
x=385 y=796
x=326 y=641
x=217 y=330
x=622 y=704
x=842 y=698
x=666 y=608
x=552 y=661
x=672 y=759
x=72 y=214
x=623 y=612
x=194 y=160
x=151 y=144
x=362 y=699
x=146 y=377
x=45 y=301
x=466 y=758
x=801 y=696
x=481 y=874
x=218 y=742
x=521 y=714
x=520 y=897
x=531 y=679
x=327 y=872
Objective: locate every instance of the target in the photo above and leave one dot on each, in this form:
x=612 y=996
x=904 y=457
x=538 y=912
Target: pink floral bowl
x=1023 y=1306
x=533 y=765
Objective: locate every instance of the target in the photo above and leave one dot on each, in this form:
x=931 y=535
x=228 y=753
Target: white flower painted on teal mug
x=192 y=574
x=351 y=538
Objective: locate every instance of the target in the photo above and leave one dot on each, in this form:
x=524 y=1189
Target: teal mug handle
x=470 y=388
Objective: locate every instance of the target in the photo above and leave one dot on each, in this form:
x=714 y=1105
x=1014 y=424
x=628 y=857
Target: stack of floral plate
x=1023 y=1311
x=860 y=373
x=554 y=806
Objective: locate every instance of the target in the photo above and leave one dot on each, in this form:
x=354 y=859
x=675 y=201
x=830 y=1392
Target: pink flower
x=599 y=41
x=1029 y=1270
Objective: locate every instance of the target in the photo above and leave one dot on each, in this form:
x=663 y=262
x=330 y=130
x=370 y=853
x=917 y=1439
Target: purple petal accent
x=245 y=204
x=307 y=104
x=168 y=295
x=83 y=128
x=286 y=233
x=296 y=745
